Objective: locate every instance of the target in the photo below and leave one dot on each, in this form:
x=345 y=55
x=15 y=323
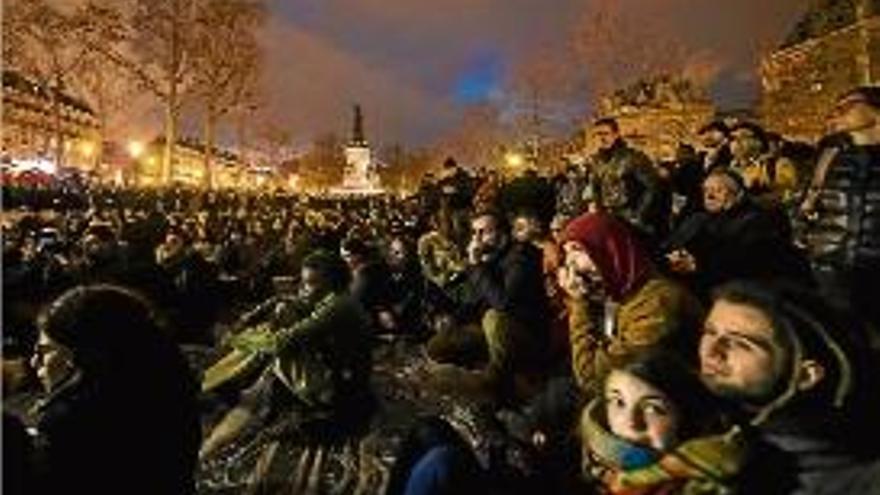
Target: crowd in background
x=670 y=326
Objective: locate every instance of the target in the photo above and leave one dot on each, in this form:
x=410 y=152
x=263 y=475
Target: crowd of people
x=703 y=324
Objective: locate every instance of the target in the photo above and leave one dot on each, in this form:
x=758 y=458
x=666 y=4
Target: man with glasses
x=771 y=178
x=842 y=206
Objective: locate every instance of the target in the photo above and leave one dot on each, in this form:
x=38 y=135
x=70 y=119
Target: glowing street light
x=514 y=159
x=135 y=149
x=87 y=148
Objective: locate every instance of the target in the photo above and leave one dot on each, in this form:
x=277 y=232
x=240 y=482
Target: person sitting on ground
x=656 y=429
x=733 y=238
x=606 y=264
x=800 y=375
x=371 y=284
x=193 y=284
x=121 y=413
x=502 y=304
x=433 y=459
x=408 y=286
x=439 y=257
x=319 y=370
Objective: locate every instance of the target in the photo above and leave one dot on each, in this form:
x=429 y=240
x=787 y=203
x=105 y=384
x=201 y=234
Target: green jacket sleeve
x=583 y=343
x=310 y=327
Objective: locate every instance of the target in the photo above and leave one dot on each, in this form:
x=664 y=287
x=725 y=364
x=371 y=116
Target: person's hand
x=386 y=320
x=807 y=209
x=572 y=283
x=474 y=253
x=443 y=323
x=681 y=261
x=539 y=439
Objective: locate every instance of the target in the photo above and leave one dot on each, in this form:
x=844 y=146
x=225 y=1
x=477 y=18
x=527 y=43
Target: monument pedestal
x=360 y=177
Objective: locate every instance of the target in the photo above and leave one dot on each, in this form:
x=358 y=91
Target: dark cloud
x=403 y=60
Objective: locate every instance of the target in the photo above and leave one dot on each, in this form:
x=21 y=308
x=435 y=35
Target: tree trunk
x=57 y=132
x=171 y=105
x=863 y=13
x=170 y=138
x=210 y=124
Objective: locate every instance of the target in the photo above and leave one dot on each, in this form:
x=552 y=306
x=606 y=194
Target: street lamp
x=514 y=159
x=87 y=148
x=135 y=149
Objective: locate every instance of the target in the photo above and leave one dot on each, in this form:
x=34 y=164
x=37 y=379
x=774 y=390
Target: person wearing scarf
x=657 y=430
x=606 y=264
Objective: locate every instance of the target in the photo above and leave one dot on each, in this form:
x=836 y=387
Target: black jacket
x=137 y=435
x=846 y=233
x=512 y=283
x=745 y=242
x=626 y=184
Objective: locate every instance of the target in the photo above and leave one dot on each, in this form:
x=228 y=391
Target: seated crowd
x=707 y=324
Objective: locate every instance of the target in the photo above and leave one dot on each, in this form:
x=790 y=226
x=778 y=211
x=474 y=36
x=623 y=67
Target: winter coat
x=660 y=312
x=323 y=357
x=746 y=241
x=571 y=196
x=846 y=232
x=513 y=284
x=625 y=184
x=371 y=286
x=137 y=435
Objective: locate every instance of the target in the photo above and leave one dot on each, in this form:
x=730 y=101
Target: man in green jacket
x=318 y=348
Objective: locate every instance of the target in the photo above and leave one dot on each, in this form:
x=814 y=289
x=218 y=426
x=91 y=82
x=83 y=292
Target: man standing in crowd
x=801 y=376
x=715 y=148
x=456 y=191
x=504 y=292
x=842 y=207
x=624 y=181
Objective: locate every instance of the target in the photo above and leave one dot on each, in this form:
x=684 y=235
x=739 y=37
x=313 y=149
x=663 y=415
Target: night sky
x=413 y=64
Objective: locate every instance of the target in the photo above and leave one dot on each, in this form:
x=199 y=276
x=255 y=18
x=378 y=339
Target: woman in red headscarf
x=605 y=263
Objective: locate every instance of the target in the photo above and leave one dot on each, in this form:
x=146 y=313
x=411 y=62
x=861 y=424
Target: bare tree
x=540 y=95
x=227 y=63
x=620 y=45
x=479 y=140
x=161 y=44
x=46 y=42
x=323 y=165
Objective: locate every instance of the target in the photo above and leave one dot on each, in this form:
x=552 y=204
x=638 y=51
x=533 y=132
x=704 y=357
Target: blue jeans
x=444 y=470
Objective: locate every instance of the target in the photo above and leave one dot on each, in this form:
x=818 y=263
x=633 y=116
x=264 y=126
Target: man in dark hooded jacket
x=798 y=375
